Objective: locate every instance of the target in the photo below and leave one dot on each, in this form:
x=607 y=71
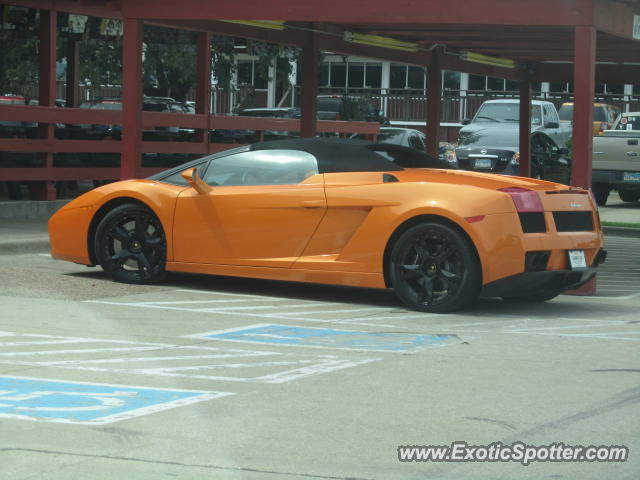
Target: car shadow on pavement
x=562 y=306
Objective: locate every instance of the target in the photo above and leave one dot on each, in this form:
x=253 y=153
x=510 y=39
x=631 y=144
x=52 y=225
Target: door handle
x=312 y=203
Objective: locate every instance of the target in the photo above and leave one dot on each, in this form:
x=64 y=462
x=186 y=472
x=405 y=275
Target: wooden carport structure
x=546 y=40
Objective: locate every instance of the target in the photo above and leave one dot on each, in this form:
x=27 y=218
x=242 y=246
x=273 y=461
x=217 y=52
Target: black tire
x=629 y=195
x=434 y=268
x=130 y=245
x=535 y=298
x=601 y=193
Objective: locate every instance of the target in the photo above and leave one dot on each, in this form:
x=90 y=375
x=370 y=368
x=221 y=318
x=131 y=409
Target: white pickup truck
x=505 y=113
x=616 y=160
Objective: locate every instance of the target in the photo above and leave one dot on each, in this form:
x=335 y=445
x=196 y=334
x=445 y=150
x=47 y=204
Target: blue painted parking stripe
x=292 y=335
x=88 y=403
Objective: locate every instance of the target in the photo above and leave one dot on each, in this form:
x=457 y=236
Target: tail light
x=524 y=199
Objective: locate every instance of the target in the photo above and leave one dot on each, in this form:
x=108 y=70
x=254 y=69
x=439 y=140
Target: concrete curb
x=30 y=209
x=622 y=231
x=30 y=245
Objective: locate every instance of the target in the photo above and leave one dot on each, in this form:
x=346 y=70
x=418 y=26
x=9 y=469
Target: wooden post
x=203 y=84
x=131 y=98
x=434 y=101
x=525 y=125
x=309 y=90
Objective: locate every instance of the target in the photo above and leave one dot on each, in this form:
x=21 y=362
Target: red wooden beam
x=584 y=89
x=309 y=90
x=131 y=97
x=55 y=174
x=203 y=84
x=24 y=113
x=73 y=73
x=434 y=100
x=489 y=12
x=525 y=125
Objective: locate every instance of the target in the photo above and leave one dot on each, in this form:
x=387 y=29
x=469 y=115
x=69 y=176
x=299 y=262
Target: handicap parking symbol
x=291 y=335
x=87 y=403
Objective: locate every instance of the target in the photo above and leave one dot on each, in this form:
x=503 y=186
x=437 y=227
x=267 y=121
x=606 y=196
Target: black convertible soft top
x=335 y=155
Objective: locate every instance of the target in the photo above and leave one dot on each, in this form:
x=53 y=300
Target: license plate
x=577 y=259
x=628 y=176
x=483 y=163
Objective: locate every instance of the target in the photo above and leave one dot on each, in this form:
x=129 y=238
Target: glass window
x=495 y=83
x=477 y=82
x=245 y=73
x=259 y=82
x=398 y=76
x=374 y=76
x=323 y=76
x=616 y=89
x=262 y=167
x=600 y=88
x=356 y=75
x=416 y=77
x=557 y=87
x=512 y=86
x=451 y=80
x=338 y=75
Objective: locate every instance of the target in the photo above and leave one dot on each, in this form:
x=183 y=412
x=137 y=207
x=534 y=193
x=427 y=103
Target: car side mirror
x=195 y=180
x=465 y=121
x=552 y=125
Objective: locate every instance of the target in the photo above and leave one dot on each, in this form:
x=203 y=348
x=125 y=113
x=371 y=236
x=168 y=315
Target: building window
x=373 y=77
x=398 y=76
x=495 y=83
x=248 y=75
x=477 y=82
x=512 y=86
x=416 y=78
x=338 y=75
x=355 y=75
x=451 y=80
x=323 y=75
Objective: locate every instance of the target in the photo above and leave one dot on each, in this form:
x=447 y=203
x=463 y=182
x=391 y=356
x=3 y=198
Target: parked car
x=411 y=138
x=10 y=128
x=603 y=115
x=504 y=112
x=332 y=107
x=250 y=136
x=497 y=151
x=98 y=131
x=335 y=211
x=616 y=160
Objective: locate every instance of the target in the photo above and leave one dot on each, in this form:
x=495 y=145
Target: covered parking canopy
x=583 y=41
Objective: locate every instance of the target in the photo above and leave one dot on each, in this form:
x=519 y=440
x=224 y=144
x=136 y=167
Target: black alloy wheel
x=131 y=245
x=434 y=268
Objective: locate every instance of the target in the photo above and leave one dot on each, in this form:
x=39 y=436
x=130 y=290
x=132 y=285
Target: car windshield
x=391 y=136
x=566 y=113
x=506 y=112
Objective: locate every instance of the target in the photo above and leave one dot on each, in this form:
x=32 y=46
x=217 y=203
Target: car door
x=261 y=210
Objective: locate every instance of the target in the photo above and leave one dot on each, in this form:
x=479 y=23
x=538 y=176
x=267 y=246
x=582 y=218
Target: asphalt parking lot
x=213 y=377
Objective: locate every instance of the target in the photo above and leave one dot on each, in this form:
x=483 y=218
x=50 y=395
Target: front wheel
x=629 y=195
x=601 y=193
x=131 y=245
x=434 y=268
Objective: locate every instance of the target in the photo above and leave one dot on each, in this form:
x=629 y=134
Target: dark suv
x=332 y=107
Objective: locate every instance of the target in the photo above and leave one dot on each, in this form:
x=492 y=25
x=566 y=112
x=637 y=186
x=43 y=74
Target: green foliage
x=352 y=109
x=100 y=62
x=169 y=62
x=223 y=57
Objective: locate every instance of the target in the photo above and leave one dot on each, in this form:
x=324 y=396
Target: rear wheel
x=629 y=195
x=601 y=193
x=433 y=268
x=131 y=245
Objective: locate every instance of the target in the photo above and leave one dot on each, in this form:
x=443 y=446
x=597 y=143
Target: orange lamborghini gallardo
x=343 y=212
